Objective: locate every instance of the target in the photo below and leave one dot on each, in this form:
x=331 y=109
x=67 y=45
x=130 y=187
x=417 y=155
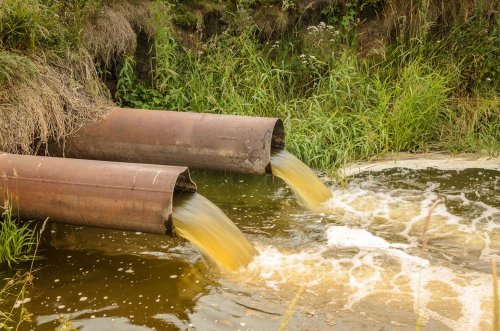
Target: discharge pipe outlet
x=125 y=196
x=202 y=141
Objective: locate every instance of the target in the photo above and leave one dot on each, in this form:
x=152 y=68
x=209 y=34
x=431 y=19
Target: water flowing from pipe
x=307 y=187
x=201 y=222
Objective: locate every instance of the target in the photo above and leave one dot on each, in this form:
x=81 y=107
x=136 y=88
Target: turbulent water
x=358 y=264
x=308 y=189
x=211 y=231
x=370 y=259
x=217 y=238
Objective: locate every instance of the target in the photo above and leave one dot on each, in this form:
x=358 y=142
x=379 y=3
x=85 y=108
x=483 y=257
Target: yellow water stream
x=308 y=189
x=217 y=237
x=201 y=222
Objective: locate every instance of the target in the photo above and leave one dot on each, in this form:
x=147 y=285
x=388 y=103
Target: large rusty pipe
x=127 y=196
x=203 y=141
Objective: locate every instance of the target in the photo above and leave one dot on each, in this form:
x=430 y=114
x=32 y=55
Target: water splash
x=201 y=222
x=364 y=272
x=307 y=187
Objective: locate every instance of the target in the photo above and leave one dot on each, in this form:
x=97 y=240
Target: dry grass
x=48 y=92
x=414 y=17
x=49 y=102
x=112 y=33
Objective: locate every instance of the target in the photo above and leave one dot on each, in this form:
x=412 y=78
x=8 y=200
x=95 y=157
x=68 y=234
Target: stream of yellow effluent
x=217 y=237
x=308 y=189
x=201 y=222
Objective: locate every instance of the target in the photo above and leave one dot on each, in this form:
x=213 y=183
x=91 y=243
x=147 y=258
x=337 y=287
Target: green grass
x=337 y=107
x=18 y=243
x=432 y=87
x=17 y=240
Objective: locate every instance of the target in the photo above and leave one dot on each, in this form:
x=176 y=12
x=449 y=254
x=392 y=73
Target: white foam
x=357 y=264
x=424 y=161
x=374 y=268
x=365 y=204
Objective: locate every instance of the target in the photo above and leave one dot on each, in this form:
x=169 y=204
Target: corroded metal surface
x=135 y=197
x=203 y=141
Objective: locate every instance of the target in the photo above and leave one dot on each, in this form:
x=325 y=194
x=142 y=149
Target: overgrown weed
x=336 y=106
x=52 y=57
x=18 y=243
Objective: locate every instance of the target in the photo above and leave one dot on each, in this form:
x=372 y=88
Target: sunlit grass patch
x=17 y=240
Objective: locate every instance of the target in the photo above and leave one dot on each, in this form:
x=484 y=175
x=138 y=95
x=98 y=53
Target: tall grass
x=336 y=107
x=14 y=290
x=496 y=301
x=17 y=241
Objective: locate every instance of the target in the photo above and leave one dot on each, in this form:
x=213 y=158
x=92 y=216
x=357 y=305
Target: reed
x=289 y=312
x=496 y=303
x=15 y=290
x=423 y=238
x=17 y=241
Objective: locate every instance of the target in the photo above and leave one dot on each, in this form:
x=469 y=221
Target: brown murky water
x=354 y=265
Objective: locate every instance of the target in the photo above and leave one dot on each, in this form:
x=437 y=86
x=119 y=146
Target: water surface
x=356 y=265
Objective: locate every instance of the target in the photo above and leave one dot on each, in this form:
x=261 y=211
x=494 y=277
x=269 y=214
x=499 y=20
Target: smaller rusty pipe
x=125 y=196
x=202 y=141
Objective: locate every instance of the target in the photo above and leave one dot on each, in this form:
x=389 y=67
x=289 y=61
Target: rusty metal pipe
x=127 y=196
x=203 y=141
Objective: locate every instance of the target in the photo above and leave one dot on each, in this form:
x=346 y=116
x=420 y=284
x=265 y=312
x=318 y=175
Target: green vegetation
x=429 y=89
x=352 y=79
x=17 y=241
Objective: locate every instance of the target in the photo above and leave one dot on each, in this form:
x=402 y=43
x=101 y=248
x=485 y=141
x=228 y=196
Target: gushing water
x=308 y=189
x=201 y=222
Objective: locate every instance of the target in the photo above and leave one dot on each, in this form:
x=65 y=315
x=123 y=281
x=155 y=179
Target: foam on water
x=373 y=262
x=402 y=212
x=377 y=276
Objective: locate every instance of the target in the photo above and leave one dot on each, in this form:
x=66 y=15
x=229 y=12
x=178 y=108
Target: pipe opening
x=182 y=184
x=278 y=139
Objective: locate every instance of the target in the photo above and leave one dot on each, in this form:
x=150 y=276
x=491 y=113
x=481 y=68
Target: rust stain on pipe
x=134 y=197
x=203 y=141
